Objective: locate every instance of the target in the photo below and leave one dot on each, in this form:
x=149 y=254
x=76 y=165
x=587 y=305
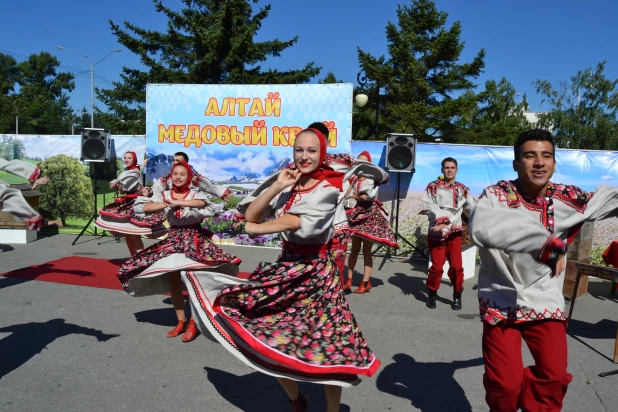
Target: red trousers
x=440 y=251
x=508 y=385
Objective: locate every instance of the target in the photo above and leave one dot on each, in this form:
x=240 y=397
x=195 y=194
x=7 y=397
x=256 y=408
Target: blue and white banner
x=482 y=166
x=237 y=135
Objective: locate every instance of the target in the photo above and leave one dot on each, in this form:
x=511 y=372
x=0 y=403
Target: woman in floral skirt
x=156 y=269
x=368 y=222
x=118 y=217
x=12 y=200
x=291 y=320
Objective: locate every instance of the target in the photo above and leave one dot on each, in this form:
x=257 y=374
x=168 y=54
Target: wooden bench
x=600 y=272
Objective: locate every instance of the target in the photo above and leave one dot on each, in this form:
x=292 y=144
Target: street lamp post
x=361 y=99
x=91 y=77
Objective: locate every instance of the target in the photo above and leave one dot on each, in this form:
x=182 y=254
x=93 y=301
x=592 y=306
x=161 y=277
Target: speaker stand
x=398 y=236
x=94 y=216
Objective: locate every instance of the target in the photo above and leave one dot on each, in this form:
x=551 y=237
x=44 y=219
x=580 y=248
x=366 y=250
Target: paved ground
x=71 y=348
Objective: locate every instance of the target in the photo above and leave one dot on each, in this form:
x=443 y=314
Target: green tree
x=583 y=111
x=330 y=78
x=499 y=118
x=69 y=191
x=35 y=92
x=422 y=83
x=207 y=42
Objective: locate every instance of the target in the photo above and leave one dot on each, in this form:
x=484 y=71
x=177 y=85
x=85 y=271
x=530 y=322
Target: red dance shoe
x=363 y=288
x=300 y=404
x=180 y=327
x=347 y=285
x=191 y=332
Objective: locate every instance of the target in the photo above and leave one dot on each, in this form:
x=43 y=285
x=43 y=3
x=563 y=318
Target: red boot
x=347 y=285
x=180 y=327
x=363 y=288
x=300 y=404
x=191 y=332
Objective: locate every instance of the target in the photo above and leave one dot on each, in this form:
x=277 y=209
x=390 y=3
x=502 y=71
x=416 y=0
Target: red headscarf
x=365 y=153
x=324 y=172
x=134 y=165
x=184 y=188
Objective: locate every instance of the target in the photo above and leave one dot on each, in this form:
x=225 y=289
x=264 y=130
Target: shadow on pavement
x=257 y=392
x=430 y=386
x=414 y=285
x=28 y=339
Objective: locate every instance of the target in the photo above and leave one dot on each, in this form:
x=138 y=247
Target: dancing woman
x=197 y=181
x=118 y=217
x=292 y=320
x=367 y=220
x=12 y=201
x=156 y=269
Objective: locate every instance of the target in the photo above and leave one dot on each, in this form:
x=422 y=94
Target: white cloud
x=607 y=177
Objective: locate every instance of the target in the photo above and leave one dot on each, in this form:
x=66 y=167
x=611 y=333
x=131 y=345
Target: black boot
x=431 y=298
x=456 y=301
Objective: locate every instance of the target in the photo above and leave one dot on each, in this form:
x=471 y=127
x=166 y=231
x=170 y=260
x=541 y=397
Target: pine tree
x=584 y=112
x=35 y=91
x=422 y=84
x=207 y=42
x=499 y=118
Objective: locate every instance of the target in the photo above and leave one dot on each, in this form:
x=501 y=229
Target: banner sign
x=41 y=147
x=237 y=135
x=482 y=166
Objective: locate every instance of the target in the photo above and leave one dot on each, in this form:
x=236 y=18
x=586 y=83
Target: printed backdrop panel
x=238 y=135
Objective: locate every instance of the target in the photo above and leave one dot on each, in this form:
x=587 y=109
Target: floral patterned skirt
x=186 y=247
x=341 y=240
x=118 y=217
x=291 y=319
x=368 y=221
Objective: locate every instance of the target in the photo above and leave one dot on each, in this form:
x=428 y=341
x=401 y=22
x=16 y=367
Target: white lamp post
x=91 y=77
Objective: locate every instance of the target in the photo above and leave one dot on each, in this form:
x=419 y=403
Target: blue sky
x=524 y=40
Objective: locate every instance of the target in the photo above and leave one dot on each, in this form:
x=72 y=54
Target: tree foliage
x=423 y=85
x=498 y=119
x=69 y=192
x=36 y=92
x=12 y=148
x=207 y=42
x=583 y=111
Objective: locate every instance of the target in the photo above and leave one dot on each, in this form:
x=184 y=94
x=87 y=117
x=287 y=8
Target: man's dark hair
x=449 y=159
x=539 y=135
x=183 y=154
x=321 y=127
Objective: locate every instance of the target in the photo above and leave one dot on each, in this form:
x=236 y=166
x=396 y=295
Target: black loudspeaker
x=400 y=152
x=96 y=145
x=104 y=170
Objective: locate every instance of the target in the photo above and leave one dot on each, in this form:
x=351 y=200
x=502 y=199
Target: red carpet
x=79 y=271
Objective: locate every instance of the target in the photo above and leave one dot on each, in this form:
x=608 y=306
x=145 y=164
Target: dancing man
x=12 y=201
x=522 y=228
x=444 y=201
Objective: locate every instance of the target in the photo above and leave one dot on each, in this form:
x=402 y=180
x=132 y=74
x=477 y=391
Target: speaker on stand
x=95 y=148
x=400 y=158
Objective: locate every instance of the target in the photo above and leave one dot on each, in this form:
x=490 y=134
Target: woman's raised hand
x=288 y=177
